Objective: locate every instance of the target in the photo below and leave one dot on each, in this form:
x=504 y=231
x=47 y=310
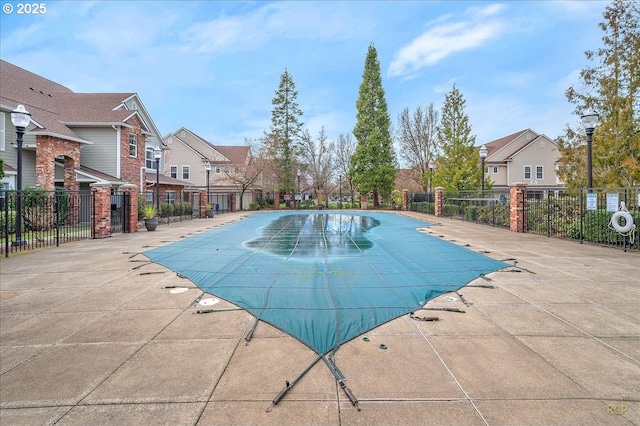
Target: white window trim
x=170 y=196
x=172 y=172
x=188 y=169
x=495 y=170
x=3 y=132
x=525 y=172
x=218 y=170
x=541 y=172
x=135 y=155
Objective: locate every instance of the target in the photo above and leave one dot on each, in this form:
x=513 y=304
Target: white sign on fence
x=592 y=201
x=612 y=202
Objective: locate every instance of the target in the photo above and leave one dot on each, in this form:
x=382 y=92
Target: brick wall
x=130 y=166
x=47 y=149
x=101 y=216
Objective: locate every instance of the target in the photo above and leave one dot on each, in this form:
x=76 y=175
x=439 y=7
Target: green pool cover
x=324 y=278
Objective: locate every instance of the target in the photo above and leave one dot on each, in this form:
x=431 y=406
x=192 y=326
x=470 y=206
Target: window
x=185 y=172
x=527 y=172
x=134 y=105
x=170 y=197
x=149 y=159
x=173 y=172
x=541 y=144
x=218 y=169
x=226 y=169
x=495 y=170
x=2 y=131
x=133 y=145
x=149 y=197
x=539 y=172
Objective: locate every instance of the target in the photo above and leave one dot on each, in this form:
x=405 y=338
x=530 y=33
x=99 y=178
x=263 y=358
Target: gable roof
x=55 y=108
x=233 y=154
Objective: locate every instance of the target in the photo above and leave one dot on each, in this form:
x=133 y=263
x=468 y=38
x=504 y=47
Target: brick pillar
x=101 y=214
x=203 y=203
x=232 y=202
x=439 y=202
x=276 y=200
x=517 y=195
x=405 y=199
x=363 y=201
x=132 y=220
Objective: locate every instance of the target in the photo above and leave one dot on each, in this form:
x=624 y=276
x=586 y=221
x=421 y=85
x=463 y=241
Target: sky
x=214 y=66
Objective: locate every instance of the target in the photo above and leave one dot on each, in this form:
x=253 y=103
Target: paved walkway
x=91 y=334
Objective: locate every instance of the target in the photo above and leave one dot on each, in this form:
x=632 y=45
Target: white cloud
x=290 y=20
x=447 y=38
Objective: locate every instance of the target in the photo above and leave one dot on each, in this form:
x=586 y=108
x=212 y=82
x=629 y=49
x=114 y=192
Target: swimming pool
x=324 y=277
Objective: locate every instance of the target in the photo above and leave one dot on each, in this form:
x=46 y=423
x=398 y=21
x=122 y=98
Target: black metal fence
x=48 y=218
x=485 y=207
x=583 y=215
x=579 y=214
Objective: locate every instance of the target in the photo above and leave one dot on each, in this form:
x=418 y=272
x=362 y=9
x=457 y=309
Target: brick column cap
x=517 y=184
x=129 y=186
x=439 y=188
x=100 y=185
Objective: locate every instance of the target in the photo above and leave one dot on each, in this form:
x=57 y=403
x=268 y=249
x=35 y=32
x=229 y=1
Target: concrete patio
x=92 y=334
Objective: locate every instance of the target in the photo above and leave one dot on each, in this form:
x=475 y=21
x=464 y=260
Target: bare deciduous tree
x=417 y=135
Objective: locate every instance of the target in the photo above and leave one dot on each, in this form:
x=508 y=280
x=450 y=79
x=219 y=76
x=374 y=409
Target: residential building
x=186 y=157
x=75 y=139
x=524 y=156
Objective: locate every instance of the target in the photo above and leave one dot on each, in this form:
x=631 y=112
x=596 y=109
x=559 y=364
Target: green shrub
x=254 y=206
x=166 y=210
x=11 y=215
x=470 y=213
x=451 y=210
x=142 y=203
x=595 y=227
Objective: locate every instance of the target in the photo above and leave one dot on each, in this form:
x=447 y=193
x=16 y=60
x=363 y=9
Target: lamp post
x=20 y=119
x=207 y=167
x=340 y=190
x=431 y=166
x=299 y=192
x=157 y=154
x=483 y=155
x=589 y=122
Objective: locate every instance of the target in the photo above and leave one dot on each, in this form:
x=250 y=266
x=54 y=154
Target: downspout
x=142 y=172
x=118 y=149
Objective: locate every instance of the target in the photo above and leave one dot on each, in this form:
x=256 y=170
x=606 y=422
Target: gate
x=120 y=209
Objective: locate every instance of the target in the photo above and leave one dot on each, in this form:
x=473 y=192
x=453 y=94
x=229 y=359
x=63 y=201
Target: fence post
x=517 y=199
x=405 y=199
x=132 y=220
x=204 y=203
x=438 y=210
x=101 y=214
x=363 y=201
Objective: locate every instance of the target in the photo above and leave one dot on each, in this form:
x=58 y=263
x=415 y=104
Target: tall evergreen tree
x=457 y=168
x=286 y=128
x=373 y=163
x=611 y=88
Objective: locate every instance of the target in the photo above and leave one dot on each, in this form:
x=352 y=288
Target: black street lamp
x=20 y=119
x=207 y=167
x=299 y=192
x=589 y=122
x=340 y=190
x=157 y=154
x=483 y=155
